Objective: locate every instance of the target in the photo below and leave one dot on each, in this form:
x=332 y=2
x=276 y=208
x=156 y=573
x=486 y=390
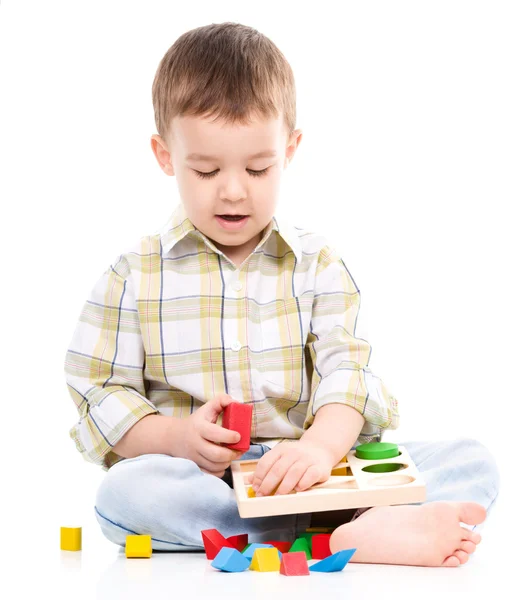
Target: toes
x=468 y=547
x=451 y=561
x=462 y=556
x=472 y=513
x=472 y=536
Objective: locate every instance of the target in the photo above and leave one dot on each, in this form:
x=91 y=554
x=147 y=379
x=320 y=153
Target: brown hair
x=224 y=69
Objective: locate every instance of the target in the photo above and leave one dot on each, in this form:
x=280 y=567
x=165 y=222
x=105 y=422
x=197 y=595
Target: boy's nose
x=233 y=190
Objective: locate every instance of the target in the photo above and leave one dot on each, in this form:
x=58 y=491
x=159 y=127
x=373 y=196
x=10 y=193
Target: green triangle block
x=308 y=535
x=301 y=545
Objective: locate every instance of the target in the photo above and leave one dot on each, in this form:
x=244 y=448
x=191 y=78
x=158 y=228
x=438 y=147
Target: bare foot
x=426 y=535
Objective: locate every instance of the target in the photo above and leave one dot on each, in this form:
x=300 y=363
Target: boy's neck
x=238 y=254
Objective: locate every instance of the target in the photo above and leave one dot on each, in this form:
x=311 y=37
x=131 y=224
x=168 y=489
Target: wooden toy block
x=341 y=470
x=265 y=559
x=138 y=546
x=282 y=546
x=238 y=417
x=320 y=545
x=71 y=538
x=231 y=561
x=252 y=494
x=335 y=562
x=249 y=552
x=214 y=542
x=377 y=451
x=301 y=545
x=294 y=563
x=308 y=535
x=240 y=542
x=381 y=481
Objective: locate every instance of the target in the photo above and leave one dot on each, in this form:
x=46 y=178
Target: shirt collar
x=179 y=226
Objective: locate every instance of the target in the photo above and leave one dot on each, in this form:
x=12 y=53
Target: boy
x=226 y=303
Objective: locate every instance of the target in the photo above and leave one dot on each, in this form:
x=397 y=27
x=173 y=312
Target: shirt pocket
x=284 y=326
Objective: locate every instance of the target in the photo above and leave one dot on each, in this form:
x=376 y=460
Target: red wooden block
x=238 y=417
x=320 y=545
x=213 y=542
x=282 y=546
x=239 y=541
x=294 y=563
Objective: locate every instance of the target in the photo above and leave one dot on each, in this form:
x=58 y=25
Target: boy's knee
x=167 y=497
x=135 y=487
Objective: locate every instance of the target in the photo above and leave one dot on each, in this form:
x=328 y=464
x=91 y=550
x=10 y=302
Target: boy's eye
x=213 y=173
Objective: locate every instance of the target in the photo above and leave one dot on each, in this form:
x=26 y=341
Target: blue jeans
x=172 y=500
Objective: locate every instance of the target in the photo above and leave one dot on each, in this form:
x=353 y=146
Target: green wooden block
x=301 y=545
x=308 y=535
x=246 y=547
x=377 y=451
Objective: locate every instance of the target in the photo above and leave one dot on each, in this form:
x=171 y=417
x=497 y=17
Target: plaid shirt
x=173 y=322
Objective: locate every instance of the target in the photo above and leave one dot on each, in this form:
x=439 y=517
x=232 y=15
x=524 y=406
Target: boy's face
x=234 y=186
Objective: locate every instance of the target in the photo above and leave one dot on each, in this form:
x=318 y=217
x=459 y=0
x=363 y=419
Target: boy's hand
x=201 y=437
x=292 y=466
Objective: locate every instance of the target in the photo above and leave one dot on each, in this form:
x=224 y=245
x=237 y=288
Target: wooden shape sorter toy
x=386 y=476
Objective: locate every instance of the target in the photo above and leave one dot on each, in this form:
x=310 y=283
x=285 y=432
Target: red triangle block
x=214 y=542
x=320 y=545
x=239 y=541
x=238 y=417
x=294 y=563
x=282 y=546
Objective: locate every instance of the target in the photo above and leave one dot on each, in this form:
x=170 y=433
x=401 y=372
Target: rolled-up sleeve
x=104 y=367
x=340 y=360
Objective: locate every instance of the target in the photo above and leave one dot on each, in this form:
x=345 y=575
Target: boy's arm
x=341 y=374
x=336 y=427
x=150 y=435
x=104 y=372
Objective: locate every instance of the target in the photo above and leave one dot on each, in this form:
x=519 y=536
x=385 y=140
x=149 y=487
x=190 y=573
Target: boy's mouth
x=232 y=222
x=232 y=217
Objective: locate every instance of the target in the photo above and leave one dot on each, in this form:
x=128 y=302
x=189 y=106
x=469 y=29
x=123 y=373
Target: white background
x=413 y=163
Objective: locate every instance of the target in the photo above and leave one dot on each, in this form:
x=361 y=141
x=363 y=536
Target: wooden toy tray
x=359 y=483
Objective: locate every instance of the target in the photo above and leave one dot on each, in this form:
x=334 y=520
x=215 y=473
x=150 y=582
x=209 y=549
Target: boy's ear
x=162 y=154
x=294 y=141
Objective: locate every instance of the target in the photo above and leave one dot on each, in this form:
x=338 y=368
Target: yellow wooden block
x=71 y=538
x=340 y=471
x=138 y=546
x=265 y=559
x=252 y=494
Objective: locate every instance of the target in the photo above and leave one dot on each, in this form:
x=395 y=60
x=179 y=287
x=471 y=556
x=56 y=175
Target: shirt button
x=237 y=286
x=236 y=346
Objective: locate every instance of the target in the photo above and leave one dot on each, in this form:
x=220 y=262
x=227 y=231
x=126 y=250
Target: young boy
x=228 y=303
